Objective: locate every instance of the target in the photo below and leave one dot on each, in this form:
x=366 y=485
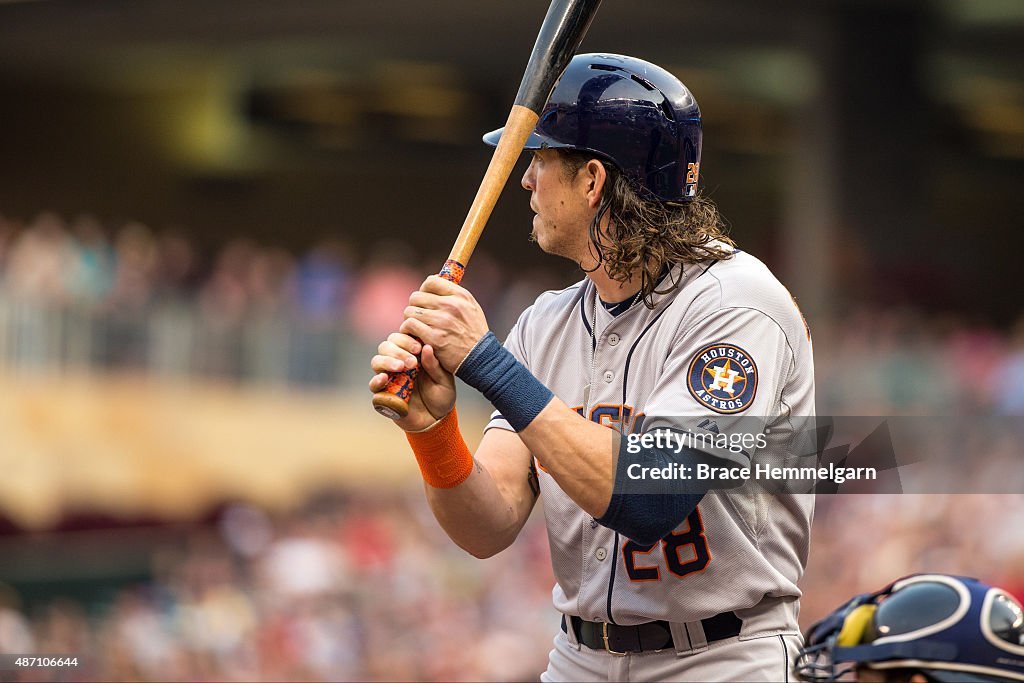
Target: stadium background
x=211 y=211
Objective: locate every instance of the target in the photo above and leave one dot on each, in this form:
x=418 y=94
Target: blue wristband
x=505 y=382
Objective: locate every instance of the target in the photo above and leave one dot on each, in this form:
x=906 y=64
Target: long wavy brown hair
x=645 y=235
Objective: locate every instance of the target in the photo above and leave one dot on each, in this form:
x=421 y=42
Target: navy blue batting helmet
x=629 y=112
x=951 y=628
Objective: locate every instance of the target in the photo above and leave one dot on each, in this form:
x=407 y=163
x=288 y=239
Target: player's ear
x=595 y=175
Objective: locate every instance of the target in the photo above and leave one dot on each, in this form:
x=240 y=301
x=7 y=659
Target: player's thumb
x=430 y=363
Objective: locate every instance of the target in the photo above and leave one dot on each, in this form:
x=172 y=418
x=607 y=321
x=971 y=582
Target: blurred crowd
x=371 y=588
x=861 y=542
x=366 y=589
x=79 y=294
x=903 y=362
x=75 y=293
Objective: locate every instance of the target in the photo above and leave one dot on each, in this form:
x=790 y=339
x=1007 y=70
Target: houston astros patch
x=723 y=377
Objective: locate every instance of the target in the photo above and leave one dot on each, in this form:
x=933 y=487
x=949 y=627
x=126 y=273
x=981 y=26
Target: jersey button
x=613 y=339
x=600 y=553
x=609 y=376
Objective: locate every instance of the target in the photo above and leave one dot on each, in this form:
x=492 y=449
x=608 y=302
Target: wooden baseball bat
x=560 y=36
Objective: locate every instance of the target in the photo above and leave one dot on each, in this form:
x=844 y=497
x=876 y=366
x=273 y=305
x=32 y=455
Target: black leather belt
x=649 y=637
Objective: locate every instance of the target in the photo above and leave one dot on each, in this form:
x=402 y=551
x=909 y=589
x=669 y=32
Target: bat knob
x=390 y=406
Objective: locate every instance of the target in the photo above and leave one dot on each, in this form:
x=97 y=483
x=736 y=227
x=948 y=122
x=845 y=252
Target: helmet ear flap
x=856 y=626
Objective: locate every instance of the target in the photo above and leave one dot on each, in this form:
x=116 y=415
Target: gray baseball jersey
x=729 y=342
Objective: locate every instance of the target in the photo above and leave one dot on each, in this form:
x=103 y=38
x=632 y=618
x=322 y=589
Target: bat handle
x=393 y=400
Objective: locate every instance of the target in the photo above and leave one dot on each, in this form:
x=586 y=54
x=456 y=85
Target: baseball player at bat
x=672 y=330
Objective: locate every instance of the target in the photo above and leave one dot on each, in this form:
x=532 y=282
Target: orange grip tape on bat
x=393 y=401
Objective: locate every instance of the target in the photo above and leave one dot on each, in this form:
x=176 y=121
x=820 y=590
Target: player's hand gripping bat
x=560 y=36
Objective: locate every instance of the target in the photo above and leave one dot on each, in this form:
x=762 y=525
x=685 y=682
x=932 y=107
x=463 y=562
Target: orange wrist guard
x=442 y=454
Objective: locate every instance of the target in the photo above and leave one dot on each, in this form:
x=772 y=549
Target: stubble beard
x=563 y=250
x=550 y=246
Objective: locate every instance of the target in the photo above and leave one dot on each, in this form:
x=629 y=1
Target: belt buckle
x=604 y=635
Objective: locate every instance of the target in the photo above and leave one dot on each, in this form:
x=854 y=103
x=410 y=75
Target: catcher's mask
x=950 y=628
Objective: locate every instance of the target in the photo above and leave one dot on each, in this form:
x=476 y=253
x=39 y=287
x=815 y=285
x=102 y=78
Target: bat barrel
x=560 y=36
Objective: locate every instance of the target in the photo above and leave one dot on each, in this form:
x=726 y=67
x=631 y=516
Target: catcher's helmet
x=627 y=111
x=950 y=628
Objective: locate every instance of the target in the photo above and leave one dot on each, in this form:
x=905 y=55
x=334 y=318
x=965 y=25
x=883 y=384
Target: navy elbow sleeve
x=647 y=518
x=646 y=510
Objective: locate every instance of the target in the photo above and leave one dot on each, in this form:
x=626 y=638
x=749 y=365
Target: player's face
x=562 y=208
